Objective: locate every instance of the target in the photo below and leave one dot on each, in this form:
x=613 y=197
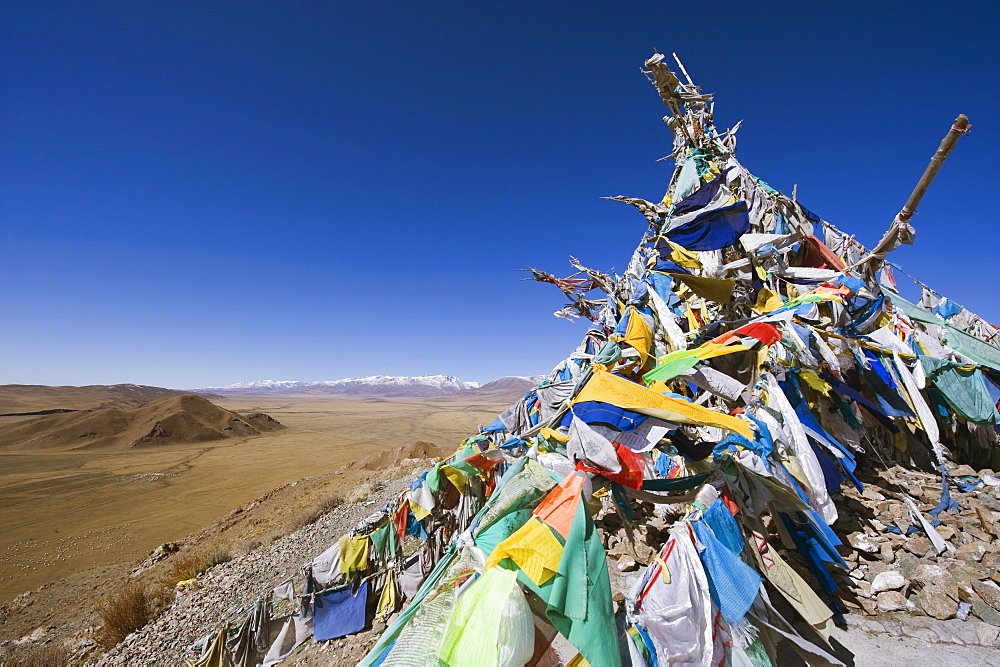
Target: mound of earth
x=391 y=457
x=29 y=399
x=507 y=388
x=174 y=420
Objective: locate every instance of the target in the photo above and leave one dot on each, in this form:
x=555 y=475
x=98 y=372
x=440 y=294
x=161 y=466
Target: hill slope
x=176 y=419
x=20 y=399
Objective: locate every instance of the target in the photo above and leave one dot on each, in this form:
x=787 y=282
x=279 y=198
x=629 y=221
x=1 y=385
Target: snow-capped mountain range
x=377 y=385
x=386 y=385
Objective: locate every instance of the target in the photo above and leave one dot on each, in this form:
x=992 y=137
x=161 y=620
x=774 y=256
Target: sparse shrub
x=188 y=564
x=361 y=493
x=249 y=545
x=55 y=655
x=217 y=557
x=123 y=614
x=325 y=503
x=378 y=485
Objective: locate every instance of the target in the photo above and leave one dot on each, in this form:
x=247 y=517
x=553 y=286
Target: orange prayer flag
x=558 y=508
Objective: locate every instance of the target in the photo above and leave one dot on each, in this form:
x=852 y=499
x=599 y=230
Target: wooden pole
x=958 y=128
x=901 y=231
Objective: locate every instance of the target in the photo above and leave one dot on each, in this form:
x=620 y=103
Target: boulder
x=890 y=580
x=936 y=602
x=989 y=592
x=918 y=545
x=986 y=613
x=862 y=542
x=973 y=551
x=891 y=601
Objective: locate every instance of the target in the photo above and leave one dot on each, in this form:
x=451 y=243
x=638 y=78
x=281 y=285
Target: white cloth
x=326 y=566
x=678 y=615
x=887 y=339
x=586 y=443
x=920 y=406
x=285 y=591
x=818 y=496
x=294 y=630
x=646 y=435
x=715 y=381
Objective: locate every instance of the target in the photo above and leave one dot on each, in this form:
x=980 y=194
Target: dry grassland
x=67 y=512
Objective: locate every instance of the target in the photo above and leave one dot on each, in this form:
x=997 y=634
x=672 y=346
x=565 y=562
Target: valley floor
x=70 y=511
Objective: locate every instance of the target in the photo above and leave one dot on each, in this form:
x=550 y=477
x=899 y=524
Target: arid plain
x=69 y=511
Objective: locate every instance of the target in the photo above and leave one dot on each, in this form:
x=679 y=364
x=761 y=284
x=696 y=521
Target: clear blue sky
x=201 y=193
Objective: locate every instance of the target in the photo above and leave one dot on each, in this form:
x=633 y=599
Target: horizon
x=211 y=192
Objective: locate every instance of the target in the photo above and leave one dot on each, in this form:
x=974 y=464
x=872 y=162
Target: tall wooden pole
x=901 y=231
x=958 y=128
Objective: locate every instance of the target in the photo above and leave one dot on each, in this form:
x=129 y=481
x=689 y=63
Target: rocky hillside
x=899 y=585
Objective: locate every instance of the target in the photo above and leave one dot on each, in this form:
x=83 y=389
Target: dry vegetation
x=123 y=614
x=98 y=514
x=141 y=601
x=327 y=503
x=47 y=656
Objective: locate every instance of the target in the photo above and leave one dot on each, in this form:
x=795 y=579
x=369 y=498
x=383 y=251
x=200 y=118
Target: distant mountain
x=28 y=399
x=512 y=386
x=373 y=385
x=166 y=421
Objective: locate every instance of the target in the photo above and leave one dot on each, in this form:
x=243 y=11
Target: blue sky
x=202 y=193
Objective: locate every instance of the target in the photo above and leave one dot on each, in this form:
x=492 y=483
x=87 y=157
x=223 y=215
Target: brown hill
x=392 y=457
x=173 y=420
x=21 y=399
x=508 y=388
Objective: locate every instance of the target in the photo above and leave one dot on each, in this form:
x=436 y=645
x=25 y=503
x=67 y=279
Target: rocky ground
x=228 y=591
x=905 y=600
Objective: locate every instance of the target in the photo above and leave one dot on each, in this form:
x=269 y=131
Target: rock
x=962 y=471
x=936 y=602
x=889 y=580
x=907 y=565
x=862 y=542
x=627 y=565
x=967 y=594
x=968 y=571
x=986 y=613
x=891 y=601
x=972 y=552
x=989 y=592
x=927 y=573
x=870 y=607
x=987 y=521
x=875 y=568
x=946 y=532
x=886 y=553
x=988 y=634
x=919 y=546
x=871 y=494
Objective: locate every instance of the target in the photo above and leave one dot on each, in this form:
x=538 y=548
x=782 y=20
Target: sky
x=196 y=194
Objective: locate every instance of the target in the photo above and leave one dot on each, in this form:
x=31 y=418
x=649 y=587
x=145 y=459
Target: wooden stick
x=958 y=128
x=681 y=65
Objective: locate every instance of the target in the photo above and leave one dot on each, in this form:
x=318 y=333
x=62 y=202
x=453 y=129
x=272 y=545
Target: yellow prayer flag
x=534 y=548
x=455 y=476
x=353 y=554
x=610 y=388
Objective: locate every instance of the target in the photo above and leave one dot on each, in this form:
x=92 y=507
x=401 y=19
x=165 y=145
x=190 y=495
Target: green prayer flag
x=964 y=390
x=578 y=597
x=673 y=365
